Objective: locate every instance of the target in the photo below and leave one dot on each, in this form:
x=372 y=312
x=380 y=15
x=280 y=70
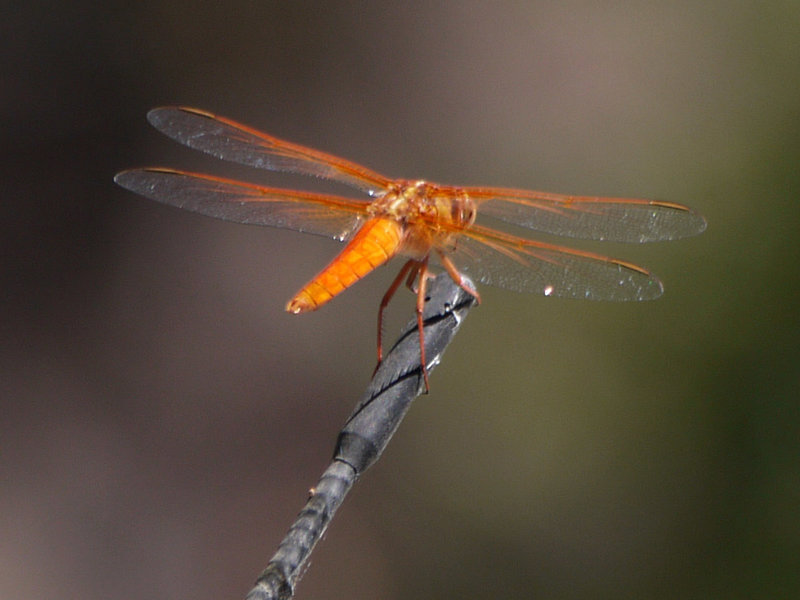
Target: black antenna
x=361 y=441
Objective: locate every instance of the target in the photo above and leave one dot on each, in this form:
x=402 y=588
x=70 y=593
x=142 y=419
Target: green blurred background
x=161 y=417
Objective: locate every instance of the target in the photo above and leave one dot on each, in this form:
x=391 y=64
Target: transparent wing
x=522 y=265
x=239 y=143
x=321 y=214
x=594 y=218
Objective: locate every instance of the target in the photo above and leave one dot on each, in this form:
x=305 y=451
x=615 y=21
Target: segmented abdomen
x=377 y=241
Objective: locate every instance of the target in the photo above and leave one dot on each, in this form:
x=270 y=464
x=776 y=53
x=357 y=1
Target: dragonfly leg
x=412 y=278
x=422 y=286
x=413 y=270
x=411 y=267
x=458 y=278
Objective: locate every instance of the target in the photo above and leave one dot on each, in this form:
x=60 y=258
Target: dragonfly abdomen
x=376 y=242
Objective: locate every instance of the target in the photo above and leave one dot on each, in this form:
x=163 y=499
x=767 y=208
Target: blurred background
x=162 y=417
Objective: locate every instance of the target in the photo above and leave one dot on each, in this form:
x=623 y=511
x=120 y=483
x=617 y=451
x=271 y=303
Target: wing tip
x=160 y=116
x=695 y=223
x=124 y=178
x=702 y=222
x=650 y=288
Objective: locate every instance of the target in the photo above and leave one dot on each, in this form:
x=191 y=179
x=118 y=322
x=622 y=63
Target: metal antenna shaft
x=361 y=441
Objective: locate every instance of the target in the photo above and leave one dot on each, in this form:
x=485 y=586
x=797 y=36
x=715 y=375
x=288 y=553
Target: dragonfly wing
x=320 y=214
x=522 y=265
x=594 y=218
x=239 y=143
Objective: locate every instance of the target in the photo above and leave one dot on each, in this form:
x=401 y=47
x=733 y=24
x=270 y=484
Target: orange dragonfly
x=415 y=219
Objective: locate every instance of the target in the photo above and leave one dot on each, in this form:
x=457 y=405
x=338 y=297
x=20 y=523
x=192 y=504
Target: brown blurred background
x=161 y=417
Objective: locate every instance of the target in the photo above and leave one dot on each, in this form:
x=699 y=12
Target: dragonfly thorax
x=439 y=208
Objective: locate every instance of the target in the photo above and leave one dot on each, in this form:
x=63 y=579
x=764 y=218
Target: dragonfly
x=413 y=218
